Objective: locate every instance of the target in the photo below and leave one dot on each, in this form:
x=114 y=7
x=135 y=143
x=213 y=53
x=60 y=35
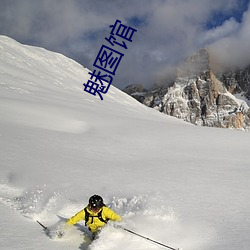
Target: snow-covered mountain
x=237 y=81
x=182 y=185
x=202 y=96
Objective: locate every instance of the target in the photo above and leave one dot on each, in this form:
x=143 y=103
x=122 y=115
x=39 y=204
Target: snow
x=182 y=185
x=242 y=99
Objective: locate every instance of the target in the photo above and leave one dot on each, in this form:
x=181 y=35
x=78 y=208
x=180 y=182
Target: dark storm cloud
x=168 y=31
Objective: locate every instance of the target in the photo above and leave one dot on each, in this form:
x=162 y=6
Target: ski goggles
x=94 y=208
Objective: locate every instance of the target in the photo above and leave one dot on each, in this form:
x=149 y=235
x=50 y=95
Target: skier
x=95 y=214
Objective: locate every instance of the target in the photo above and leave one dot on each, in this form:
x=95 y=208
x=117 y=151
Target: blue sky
x=167 y=31
x=218 y=17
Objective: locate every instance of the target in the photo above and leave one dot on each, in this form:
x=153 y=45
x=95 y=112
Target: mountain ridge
x=201 y=95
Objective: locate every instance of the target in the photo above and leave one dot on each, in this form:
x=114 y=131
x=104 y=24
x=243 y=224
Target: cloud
x=228 y=28
x=233 y=49
x=167 y=31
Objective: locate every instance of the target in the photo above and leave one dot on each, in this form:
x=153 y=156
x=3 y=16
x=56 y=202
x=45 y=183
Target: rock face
x=136 y=90
x=201 y=97
x=237 y=81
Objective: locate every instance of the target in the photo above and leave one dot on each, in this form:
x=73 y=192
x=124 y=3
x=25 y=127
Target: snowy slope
x=179 y=184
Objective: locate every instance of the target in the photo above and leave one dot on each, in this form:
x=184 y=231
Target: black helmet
x=96 y=202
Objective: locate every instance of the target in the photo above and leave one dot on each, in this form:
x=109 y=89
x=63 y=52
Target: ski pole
x=146 y=238
x=45 y=228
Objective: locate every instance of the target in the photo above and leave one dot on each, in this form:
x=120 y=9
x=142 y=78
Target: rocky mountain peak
x=202 y=97
x=196 y=64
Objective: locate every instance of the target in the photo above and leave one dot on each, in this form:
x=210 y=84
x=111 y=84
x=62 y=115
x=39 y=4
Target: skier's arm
x=77 y=217
x=110 y=214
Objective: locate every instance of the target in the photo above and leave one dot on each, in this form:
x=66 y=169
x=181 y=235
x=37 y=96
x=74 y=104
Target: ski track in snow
x=145 y=214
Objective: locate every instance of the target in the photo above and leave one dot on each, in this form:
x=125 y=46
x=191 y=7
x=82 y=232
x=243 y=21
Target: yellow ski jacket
x=94 y=223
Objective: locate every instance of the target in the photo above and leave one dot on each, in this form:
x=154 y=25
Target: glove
x=62 y=229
